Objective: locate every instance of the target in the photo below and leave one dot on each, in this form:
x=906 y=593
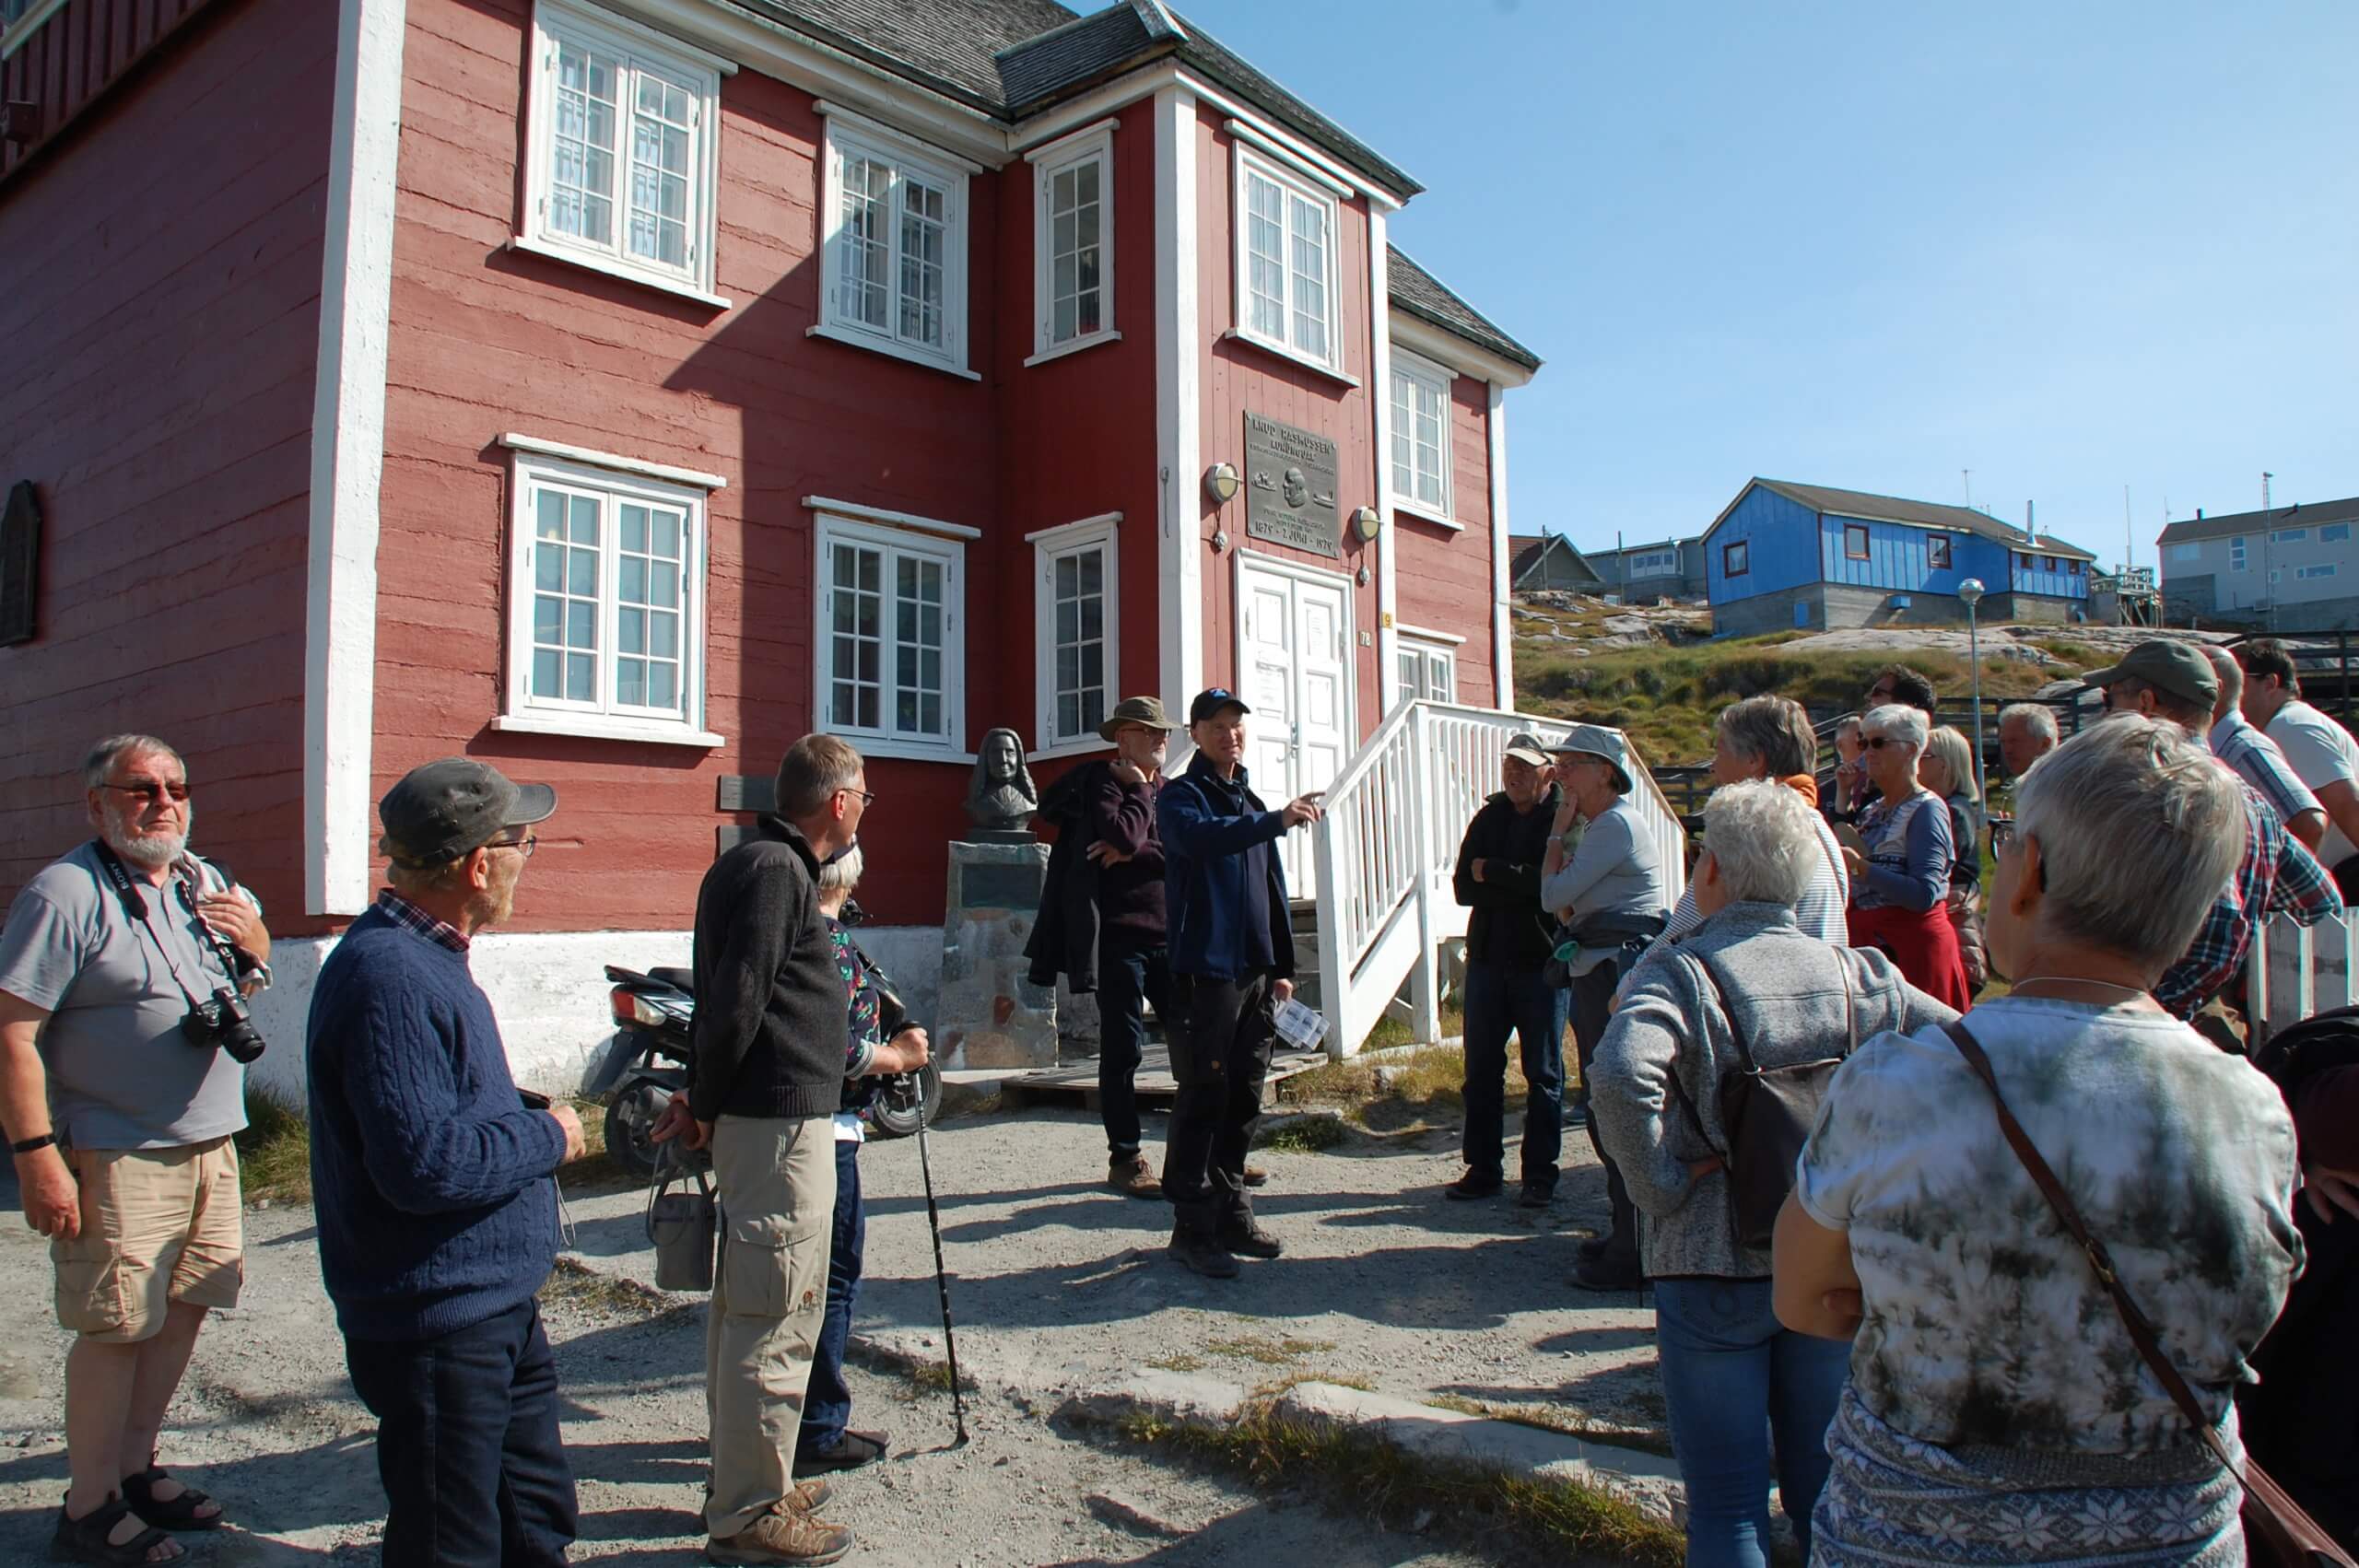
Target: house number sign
x=1290 y=487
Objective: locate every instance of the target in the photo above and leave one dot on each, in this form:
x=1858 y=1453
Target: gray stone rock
x=1181 y=1397
x=1112 y=1508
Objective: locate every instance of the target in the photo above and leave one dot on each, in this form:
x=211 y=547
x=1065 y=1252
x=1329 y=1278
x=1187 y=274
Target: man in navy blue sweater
x=437 y=1213
x=1232 y=965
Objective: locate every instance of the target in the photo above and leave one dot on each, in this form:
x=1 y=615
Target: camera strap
x=135 y=909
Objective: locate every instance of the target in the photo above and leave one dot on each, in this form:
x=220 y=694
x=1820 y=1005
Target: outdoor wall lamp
x=1367 y=523
x=1220 y=482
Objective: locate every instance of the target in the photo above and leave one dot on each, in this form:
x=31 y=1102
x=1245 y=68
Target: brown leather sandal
x=85 y=1540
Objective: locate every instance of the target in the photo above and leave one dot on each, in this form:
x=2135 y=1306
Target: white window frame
x=884 y=739
x=2290 y=536
x=847 y=136
x=2186 y=554
x=1252 y=165
x=1049 y=546
x=1433 y=651
x=618 y=479
x=1422 y=374
x=641 y=51
x=2238 y=559
x=1092 y=146
x=2333 y=532
x=2322 y=569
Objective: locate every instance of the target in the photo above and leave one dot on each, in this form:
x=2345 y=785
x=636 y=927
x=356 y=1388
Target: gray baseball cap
x=2168 y=664
x=1525 y=746
x=440 y=811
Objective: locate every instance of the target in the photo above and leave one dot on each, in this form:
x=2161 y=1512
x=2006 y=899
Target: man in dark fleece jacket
x=437 y=1215
x=1133 y=965
x=1232 y=965
x=1508 y=941
x=768 y=1072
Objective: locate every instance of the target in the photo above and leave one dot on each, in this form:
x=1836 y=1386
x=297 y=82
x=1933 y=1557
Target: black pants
x=1592 y=1009
x=2346 y=880
x=1128 y=978
x=1221 y=1037
x=468 y=1446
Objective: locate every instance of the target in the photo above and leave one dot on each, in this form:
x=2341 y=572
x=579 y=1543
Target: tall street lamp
x=1970 y=590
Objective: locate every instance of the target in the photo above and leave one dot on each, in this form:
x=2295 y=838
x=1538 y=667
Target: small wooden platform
x=1077 y=1085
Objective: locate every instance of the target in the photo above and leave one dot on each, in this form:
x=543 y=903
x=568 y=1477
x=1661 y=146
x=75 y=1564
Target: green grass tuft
x=1269 y=1353
x=1307 y=1135
x=275 y=1151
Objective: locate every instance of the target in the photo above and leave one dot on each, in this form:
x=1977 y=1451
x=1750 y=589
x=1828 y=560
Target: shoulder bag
x=2277 y=1532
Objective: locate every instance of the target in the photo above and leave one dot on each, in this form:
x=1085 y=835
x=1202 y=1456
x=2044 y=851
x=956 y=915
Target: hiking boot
x=1473 y=1184
x=1134 y=1177
x=1256 y=1177
x=1536 y=1195
x=848 y=1452
x=1199 y=1251
x=808 y=1497
x=782 y=1537
x=1246 y=1239
x=1602 y=1275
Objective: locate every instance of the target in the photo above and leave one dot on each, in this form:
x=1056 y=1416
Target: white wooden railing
x=1389 y=843
x=2296 y=971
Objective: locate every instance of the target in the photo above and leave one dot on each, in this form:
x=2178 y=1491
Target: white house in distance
x=2295 y=563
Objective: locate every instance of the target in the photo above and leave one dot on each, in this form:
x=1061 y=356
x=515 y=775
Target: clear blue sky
x=2069 y=245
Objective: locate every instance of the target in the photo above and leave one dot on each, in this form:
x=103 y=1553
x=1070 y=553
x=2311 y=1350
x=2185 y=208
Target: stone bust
x=1001 y=798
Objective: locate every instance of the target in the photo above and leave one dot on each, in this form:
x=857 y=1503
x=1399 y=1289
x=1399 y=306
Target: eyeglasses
x=1877 y=742
x=867 y=797
x=151 y=792
x=527 y=844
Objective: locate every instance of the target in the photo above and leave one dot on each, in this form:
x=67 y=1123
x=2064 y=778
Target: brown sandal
x=85 y=1540
x=179 y=1513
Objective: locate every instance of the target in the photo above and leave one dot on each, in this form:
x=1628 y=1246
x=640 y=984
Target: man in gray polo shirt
x=119 y=1110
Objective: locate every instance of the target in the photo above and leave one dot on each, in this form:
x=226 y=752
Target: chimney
x=2199 y=514
x=2029 y=526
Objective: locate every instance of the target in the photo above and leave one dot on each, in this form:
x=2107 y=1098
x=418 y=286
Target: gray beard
x=149 y=854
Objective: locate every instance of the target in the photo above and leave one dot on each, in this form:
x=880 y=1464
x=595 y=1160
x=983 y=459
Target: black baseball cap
x=442 y=810
x=1211 y=700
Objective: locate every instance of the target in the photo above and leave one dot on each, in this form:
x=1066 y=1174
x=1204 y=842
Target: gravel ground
x=1057 y=1284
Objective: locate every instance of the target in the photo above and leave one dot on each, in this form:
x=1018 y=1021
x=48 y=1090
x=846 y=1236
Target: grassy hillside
x=1667 y=697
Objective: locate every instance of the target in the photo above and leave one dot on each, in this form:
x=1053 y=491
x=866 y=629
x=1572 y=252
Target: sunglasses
x=1877 y=742
x=150 y=792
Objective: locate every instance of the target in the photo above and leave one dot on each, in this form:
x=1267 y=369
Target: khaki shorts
x=159 y=1225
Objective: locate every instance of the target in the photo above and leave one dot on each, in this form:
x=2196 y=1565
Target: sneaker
x=1256 y=1177
x=782 y=1537
x=1250 y=1240
x=1473 y=1184
x=1536 y=1195
x=808 y=1497
x=849 y=1452
x=1134 y=1177
x=1599 y=1275
x=1202 y=1254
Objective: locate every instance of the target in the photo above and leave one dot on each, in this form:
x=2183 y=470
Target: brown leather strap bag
x=2277 y=1532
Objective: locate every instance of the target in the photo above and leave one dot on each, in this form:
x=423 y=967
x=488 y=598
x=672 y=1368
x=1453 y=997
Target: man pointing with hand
x=1232 y=965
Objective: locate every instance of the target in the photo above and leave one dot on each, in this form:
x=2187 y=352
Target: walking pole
x=941 y=1280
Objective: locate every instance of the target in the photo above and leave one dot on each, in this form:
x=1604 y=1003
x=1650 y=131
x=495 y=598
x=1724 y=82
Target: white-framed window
x=2333 y=532
x=1427 y=669
x=890 y=663
x=2289 y=536
x=893 y=245
x=2236 y=559
x=606 y=602
x=2186 y=554
x=2324 y=569
x=1652 y=563
x=1077 y=604
x=1074 y=243
x=623 y=134
x=1421 y=433
x=1286 y=266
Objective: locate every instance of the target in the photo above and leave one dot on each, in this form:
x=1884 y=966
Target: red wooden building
x=616 y=390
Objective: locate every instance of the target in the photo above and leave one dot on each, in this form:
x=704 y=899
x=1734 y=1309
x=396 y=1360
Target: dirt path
x=1057 y=1284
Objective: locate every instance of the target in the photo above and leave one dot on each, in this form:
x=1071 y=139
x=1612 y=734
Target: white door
x=1294 y=646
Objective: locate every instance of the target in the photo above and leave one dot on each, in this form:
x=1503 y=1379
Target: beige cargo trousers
x=777 y=1180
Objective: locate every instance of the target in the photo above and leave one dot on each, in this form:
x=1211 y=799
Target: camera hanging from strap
x=135 y=906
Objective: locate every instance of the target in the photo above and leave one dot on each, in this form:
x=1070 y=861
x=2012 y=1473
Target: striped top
x=2247 y=748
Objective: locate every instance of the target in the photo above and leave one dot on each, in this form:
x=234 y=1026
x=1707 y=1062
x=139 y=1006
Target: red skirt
x=1923 y=944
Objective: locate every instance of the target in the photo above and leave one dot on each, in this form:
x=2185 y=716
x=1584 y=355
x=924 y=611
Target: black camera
x=224 y=1022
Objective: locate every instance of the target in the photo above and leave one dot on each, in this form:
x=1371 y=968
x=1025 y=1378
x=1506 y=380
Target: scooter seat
x=686 y=979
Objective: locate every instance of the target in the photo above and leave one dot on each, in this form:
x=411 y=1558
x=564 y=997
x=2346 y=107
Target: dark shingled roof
x=1040 y=70
x=1921 y=514
x=2187 y=530
x=1418 y=292
x=945 y=44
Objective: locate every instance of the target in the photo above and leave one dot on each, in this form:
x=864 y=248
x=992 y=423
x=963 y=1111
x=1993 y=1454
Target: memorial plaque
x=1290 y=487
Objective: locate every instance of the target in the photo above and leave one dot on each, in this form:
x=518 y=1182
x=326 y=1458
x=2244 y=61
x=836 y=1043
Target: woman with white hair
x=1749 y=987
x=1900 y=885
x=1998 y=1409
x=1770 y=737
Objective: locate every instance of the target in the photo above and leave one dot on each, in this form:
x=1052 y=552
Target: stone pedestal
x=992 y=1015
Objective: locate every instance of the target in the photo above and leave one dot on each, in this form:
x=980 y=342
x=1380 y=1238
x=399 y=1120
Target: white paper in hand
x=1300 y=1026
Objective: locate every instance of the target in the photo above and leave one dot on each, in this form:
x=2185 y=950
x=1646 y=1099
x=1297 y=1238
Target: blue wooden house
x=1782 y=557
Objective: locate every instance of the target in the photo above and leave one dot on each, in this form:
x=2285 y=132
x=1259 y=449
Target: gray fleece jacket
x=1787 y=990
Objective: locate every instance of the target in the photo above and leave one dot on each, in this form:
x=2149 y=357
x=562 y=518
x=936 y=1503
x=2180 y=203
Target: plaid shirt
x=2259 y=762
x=2276 y=876
x=410 y=918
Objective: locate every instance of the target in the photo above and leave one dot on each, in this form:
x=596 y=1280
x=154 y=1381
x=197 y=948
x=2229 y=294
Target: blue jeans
x=827 y=1405
x=1735 y=1383
x=1502 y=999
x=1128 y=978
x=468 y=1446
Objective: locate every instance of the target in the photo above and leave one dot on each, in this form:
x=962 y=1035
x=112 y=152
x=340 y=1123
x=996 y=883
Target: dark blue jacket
x=1221 y=874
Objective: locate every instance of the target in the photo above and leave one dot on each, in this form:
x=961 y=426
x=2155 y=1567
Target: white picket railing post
x=1334 y=963
x=1424 y=973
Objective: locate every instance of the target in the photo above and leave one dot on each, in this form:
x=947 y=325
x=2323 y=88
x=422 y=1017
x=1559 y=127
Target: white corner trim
x=1380 y=370
x=620 y=464
x=1427 y=634
x=1422 y=513
x=1285 y=351
x=348 y=458
x=1502 y=633
x=1086 y=525
x=1295 y=149
x=883 y=518
x=1048 y=151
x=1179 y=406
x=890 y=349
x=601 y=729
x=1076 y=346
x=596 y=264
x=1302 y=168
x=24 y=27
x=892 y=137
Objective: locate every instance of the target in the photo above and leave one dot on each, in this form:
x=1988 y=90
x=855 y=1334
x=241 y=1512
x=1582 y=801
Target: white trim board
x=1502 y=633
x=1454 y=353
x=1427 y=634
x=892 y=519
x=1179 y=407
x=348 y=458
x=620 y=464
x=1380 y=370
